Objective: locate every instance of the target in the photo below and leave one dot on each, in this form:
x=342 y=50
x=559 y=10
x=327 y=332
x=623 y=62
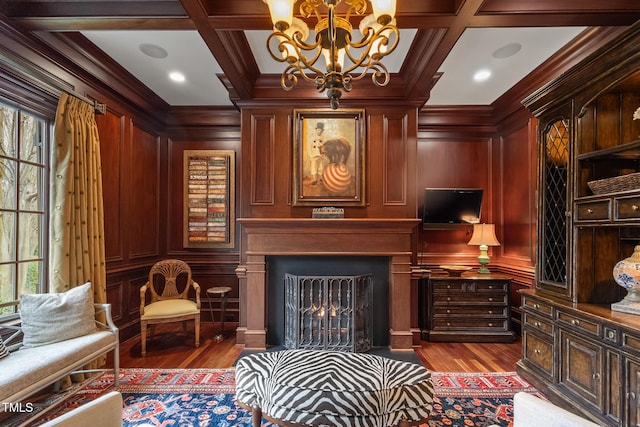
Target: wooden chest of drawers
x=471 y=308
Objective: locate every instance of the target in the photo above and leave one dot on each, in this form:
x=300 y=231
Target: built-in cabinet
x=576 y=350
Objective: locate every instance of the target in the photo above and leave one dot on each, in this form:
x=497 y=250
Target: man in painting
x=315 y=153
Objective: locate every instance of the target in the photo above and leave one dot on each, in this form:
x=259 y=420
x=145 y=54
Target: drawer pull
x=611 y=334
x=536 y=306
x=448 y=324
x=490 y=299
x=448 y=311
x=634 y=207
x=448 y=286
x=490 y=287
x=448 y=298
x=596 y=376
x=490 y=325
x=536 y=324
x=589 y=210
x=631 y=395
x=490 y=311
x=575 y=322
x=537 y=351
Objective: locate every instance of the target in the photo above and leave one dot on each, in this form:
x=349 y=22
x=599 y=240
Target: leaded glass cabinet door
x=554 y=218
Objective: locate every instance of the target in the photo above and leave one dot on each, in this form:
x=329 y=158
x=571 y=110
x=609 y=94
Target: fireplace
x=388 y=239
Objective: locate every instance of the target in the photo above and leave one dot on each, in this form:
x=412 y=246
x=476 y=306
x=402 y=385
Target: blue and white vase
x=626 y=273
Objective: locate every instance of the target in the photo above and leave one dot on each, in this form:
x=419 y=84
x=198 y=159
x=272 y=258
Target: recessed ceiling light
x=153 y=50
x=177 y=76
x=481 y=75
x=507 y=50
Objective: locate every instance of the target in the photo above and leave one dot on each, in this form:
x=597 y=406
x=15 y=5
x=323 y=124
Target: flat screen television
x=452 y=205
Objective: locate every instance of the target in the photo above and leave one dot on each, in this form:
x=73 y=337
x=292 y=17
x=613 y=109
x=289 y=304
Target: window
x=23 y=205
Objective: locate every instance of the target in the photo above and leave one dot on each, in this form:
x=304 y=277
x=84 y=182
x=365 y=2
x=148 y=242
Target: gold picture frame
x=209 y=199
x=329 y=157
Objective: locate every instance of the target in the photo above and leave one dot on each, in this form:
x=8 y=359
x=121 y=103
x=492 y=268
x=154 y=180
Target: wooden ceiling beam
x=230 y=49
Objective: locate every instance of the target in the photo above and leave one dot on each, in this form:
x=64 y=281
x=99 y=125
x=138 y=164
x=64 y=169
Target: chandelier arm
x=299 y=46
x=359 y=7
x=309 y=7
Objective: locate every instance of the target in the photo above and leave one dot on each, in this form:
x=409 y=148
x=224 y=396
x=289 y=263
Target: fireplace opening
x=375 y=267
x=328 y=313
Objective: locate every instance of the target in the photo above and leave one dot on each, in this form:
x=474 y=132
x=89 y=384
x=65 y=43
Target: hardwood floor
x=171 y=349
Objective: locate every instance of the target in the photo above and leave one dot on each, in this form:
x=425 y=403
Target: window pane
x=29 y=274
x=7 y=236
x=30 y=199
x=31 y=134
x=8 y=139
x=29 y=237
x=8 y=170
x=7 y=279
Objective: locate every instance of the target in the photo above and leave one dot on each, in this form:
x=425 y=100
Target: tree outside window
x=23 y=192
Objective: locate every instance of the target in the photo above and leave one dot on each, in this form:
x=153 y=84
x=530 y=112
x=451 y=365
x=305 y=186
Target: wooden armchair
x=169 y=298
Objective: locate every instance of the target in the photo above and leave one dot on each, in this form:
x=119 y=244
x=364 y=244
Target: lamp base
x=483 y=260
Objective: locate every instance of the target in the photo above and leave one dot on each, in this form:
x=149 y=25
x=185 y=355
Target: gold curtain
x=77 y=222
x=76 y=227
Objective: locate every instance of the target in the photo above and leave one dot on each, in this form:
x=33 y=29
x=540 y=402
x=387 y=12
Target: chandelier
x=334 y=43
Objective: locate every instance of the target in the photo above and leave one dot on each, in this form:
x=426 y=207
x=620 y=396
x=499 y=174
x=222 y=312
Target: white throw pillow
x=53 y=317
x=3 y=350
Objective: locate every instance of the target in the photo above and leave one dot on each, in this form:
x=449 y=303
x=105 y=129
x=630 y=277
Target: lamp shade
x=281 y=10
x=484 y=234
x=384 y=7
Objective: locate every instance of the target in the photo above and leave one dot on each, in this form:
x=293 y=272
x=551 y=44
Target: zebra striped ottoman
x=329 y=388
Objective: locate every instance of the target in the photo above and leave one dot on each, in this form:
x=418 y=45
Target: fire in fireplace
x=328 y=312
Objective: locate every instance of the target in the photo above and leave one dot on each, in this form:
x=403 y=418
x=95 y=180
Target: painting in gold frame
x=328 y=157
x=209 y=191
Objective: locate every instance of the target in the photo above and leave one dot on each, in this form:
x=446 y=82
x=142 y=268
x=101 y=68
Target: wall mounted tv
x=452 y=205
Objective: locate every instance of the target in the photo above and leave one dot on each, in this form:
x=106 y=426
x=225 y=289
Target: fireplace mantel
x=352 y=236
x=262 y=237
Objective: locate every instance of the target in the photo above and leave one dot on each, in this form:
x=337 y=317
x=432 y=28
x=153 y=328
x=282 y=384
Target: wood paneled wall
x=143 y=140
x=267 y=146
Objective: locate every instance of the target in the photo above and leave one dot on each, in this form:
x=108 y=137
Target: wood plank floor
x=171 y=349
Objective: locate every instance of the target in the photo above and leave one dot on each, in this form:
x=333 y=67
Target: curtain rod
x=98 y=107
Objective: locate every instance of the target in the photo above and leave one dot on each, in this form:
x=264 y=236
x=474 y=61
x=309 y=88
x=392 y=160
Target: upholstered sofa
x=531 y=411
x=53 y=343
x=105 y=411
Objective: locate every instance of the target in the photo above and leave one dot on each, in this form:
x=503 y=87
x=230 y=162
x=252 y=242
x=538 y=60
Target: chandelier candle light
x=484 y=235
x=334 y=42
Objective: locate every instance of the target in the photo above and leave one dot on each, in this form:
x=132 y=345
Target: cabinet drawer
x=631 y=342
x=538 y=351
x=580 y=324
x=498 y=287
x=446 y=286
x=627 y=208
x=539 y=308
x=469 y=323
x=538 y=323
x=448 y=310
x=471 y=299
x=593 y=211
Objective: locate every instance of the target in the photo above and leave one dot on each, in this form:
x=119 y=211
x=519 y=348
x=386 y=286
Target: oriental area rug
x=205 y=398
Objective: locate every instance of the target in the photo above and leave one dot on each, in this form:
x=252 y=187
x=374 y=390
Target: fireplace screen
x=328 y=312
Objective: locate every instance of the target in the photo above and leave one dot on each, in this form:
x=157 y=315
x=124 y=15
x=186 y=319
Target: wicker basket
x=615 y=184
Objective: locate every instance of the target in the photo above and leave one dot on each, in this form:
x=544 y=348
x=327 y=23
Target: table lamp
x=484 y=235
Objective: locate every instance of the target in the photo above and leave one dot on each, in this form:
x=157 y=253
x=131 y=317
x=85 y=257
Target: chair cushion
x=334 y=388
x=169 y=308
x=53 y=317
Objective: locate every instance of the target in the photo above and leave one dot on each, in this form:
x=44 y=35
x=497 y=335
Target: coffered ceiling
x=220 y=46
